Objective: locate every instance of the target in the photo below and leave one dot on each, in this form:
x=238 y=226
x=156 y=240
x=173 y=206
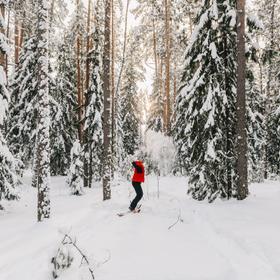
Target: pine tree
x=76 y=172
x=8 y=177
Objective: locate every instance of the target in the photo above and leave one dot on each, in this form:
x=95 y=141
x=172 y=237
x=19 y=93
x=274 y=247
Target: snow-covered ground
x=230 y=240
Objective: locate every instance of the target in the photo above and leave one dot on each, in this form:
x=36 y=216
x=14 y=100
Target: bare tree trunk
x=167 y=65
x=2 y=31
x=86 y=144
x=43 y=152
x=242 y=176
x=79 y=82
x=8 y=36
x=174 y=83
x=88 y=46
x=17 y=29
x=51 y=13
x=161 y=87
x=107 y=105
x=21 y=35
x=155 y=49
x=113 y=87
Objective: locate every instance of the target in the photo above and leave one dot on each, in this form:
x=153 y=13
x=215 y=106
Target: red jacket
x=139 y=172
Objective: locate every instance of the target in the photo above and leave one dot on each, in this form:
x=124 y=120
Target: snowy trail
x=226 y=240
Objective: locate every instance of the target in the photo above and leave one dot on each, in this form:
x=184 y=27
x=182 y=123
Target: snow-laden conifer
x=205 y=106
x=129 y=99
x=76 y=172
x=64 y=115
x=22 y=122
x=93 y=123
x=8 y=164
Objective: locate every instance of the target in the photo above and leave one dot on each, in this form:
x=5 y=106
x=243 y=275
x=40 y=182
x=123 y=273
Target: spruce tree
x=23 y=109
x=156 y=110
x=76 y=172
x=255 y=129
x=93 y=133
x=8 y=164
x=129 y=99
x=206 y=103
x=64 y=117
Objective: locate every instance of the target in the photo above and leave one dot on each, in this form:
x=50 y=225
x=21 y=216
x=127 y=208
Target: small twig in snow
x=179 y=219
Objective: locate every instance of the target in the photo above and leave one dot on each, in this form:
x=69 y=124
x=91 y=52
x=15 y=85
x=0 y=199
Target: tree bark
x=242 y=176
x=8 y=36
x=79 y=82
x=106 y=177
x=17 y=39
x=43 y=160
x=2 y=31
x=86 y=146
x=113 y=87
x=167 y=65
x=155 y=48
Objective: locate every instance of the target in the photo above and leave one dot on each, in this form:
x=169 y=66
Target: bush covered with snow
x=62 y=260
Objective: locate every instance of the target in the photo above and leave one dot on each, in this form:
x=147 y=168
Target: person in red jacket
x=137 y=179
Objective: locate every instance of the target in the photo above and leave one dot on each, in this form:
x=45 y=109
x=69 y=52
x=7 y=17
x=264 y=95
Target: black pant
x=139 y=195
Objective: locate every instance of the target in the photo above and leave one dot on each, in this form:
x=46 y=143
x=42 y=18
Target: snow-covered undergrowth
x=173 y=238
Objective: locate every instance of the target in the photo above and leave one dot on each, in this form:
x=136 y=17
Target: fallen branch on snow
x=179 y=219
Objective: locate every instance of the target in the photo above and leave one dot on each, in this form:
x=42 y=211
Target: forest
x=177 y=102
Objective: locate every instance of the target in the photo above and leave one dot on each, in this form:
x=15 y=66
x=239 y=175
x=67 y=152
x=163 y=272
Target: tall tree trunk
x=51 y=13
x=17 y=37
x=106 y=177
x=155 y=48
x=43 y=152
x=21 y=35
x=113 y=117
x=2 y=31
x=79 y=81
x=8 y=36
x=174 y=87
x=242 y=150
x=86 y=146
x=161 y=88
x=167 y=65
x=88 y=46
